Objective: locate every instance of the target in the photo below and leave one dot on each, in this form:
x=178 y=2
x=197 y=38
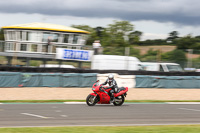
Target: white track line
x=64 y=115
x=189 y=109
x=36 y=115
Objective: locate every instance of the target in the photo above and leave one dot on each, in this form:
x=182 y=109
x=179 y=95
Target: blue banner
x=72 y=54
x=76 y=54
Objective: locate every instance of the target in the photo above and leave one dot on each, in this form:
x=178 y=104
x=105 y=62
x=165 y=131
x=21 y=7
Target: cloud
x=152 y=36
x=184 y=12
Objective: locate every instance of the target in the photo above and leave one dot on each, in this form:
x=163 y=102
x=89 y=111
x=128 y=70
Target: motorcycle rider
x=112 y=84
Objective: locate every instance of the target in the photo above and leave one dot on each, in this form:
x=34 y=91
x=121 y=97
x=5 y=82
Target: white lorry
x=162 y=67
x=115 y=62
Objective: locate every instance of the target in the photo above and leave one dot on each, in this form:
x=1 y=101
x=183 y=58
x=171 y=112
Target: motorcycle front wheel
x=91 y=100
x=119 y=100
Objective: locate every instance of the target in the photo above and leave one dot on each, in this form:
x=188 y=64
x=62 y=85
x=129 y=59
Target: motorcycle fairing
x=93 y=94
x=122 y=91
x=104 y=98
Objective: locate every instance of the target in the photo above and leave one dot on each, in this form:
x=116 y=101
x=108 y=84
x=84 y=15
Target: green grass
x=104 y=129
x=60 y=101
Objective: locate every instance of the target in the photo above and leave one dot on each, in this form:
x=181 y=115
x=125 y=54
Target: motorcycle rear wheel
x=119 y=100
x=90 y=100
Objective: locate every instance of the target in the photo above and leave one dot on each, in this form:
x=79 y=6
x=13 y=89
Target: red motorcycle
x=102 y=95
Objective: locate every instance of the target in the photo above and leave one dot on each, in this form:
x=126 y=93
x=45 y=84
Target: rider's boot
x=112 y=98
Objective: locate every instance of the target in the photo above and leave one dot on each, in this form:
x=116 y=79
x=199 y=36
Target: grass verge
x=104 y=129
x=60 y=101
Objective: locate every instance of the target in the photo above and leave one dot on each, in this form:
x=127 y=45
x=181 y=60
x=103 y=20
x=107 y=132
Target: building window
x=52 y=37
x=53 y=49
x=2 y=46
x=27 y=36
x=66 y=38
x=23 y=35
x=23 y=47
x=75 y=39
x=45 y=37
x=20 y=35
x=32 y=36
x=83 y=39
x=34 y=47
x=10 y=46
x=11 y=35
x=44 y=48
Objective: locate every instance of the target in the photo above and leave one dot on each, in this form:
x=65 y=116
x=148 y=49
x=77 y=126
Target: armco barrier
x=144 y=81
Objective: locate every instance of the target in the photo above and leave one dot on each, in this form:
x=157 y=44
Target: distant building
x=40 y=40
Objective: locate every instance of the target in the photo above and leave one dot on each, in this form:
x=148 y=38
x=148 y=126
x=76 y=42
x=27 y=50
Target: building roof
x=45 y=26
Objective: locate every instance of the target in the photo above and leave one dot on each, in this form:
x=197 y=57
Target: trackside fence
x=18 y=79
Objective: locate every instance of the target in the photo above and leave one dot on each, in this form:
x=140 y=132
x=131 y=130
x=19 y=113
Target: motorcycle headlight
x=93 y=89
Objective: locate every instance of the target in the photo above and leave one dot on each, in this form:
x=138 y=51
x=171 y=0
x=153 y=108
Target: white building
x=40 y=40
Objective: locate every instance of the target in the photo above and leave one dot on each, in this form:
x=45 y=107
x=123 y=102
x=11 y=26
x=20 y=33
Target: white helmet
x=110 y=77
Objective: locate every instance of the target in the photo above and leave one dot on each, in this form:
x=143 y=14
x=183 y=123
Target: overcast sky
x=155 y=18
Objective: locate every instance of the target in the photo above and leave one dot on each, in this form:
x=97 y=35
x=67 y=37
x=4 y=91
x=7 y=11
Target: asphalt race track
x=32 y=115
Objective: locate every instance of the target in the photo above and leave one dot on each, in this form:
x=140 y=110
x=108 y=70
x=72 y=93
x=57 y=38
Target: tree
x=93 y=34
x=187 y=42
x=118 y=32
x=99 y=31
x=1 y=34
x=134 y=37
x=120 y=27
x=177 y=56
x=151 y=55
x=173 y=35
